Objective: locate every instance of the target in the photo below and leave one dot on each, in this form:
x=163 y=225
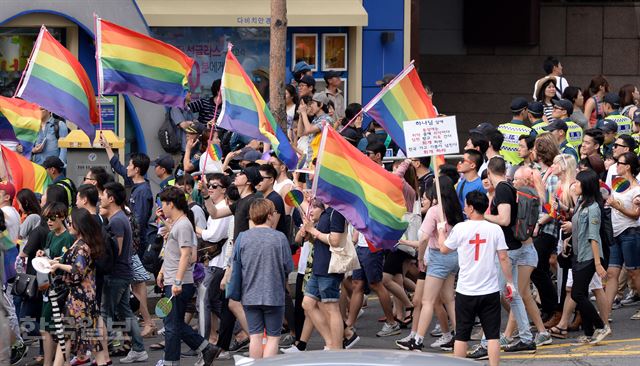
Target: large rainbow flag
x=404 y=99
x=24 y=173
x=245 y=112
x=136 y=64
x=25 y=119
x=367 y=195
x=55 y=80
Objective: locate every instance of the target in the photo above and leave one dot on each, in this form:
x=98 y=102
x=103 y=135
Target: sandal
x=157 y=346
x=557 y=332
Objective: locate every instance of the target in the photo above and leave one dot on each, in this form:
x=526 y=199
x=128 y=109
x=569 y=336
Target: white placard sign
x=433 y=136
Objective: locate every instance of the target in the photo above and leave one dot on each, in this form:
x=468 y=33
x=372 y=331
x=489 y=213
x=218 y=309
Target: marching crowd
x=538 y=214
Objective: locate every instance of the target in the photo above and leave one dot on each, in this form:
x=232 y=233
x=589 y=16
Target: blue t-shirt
x=331 y=221
x=121 y=228
x=464 y=187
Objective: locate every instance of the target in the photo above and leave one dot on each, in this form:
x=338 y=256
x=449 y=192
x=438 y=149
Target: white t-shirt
x=620 y=221
x=218 y=229
x=477 y=242
x=561 y=85
x=362 y=242
x=12 y=220
x=304 y=257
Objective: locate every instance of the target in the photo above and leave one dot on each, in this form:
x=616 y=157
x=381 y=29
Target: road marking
x=616 y=353
x=583 y=350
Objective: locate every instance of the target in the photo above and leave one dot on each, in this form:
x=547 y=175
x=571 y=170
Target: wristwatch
x=177 y=282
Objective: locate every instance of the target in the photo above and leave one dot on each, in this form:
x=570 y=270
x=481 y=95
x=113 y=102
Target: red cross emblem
x=477 y=241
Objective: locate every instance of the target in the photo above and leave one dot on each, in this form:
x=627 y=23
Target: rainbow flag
x=7 y=136
x=24 y=173
x=367 y=195
x=55 y=80
x=25 y=119
x=404 y=99
x=436 y=160
x=215 y=152
x=245 y=112
x=136 y=64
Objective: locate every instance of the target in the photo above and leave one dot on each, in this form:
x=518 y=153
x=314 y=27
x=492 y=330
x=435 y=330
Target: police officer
x=611 y=109
x=55 y=169
x=513 y=130
x=558 y=129
x=562 y=109
x=536 y=112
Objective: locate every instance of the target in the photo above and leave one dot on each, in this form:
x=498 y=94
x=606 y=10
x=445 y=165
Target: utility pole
x=277 y=61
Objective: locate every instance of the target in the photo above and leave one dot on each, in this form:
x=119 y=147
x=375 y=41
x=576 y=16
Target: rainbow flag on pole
x=25 y=119
x=403 y=99
x=245 y=112
x=24 y=173
x=136 y=64
x=215 y=152
x=55 y=80
x=367 y=195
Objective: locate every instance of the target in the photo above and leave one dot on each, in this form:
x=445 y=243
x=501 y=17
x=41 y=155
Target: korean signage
x=433 y=136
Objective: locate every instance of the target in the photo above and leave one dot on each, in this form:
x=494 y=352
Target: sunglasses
x=214 y=186
x=618 y=145
x=53 y=218
x=622 y=162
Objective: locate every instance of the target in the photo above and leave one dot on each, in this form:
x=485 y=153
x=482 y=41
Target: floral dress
x=81 y=302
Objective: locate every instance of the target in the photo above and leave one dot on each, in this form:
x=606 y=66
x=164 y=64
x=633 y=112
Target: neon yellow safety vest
x=538 y=127
x=574 y=134
x=624 y=123
x=636 y=136
x=512 y=132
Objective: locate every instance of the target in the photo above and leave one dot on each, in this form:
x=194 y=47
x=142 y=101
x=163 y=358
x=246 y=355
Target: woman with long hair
x=626 y=229
x=575 y=96
x=30 y=210
x=598 y=87
x=291 y=101
x=441 y=269
x=629 y=97
x=78 y=267
x=546 y=94
x=587 y=248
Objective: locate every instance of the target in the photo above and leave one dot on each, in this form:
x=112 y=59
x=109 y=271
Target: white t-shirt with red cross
x=477 y=242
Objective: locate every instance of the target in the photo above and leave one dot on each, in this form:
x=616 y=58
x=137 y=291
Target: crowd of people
x=537 y=214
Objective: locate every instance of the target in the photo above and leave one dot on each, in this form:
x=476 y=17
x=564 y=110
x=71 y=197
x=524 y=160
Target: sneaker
x=75 y=361
x=236 y=346
x=17 y=352
x=617 y=304
x=521 y=346
x=199 y=361
x=448 y=347
x=210 y=353
x=600 y=334
x=476 y=333
x=287 y=340
x=226 y=355
x=636 y=316
x=437 y=331
x=631 y=298
x=292 y=349
x=360 y=313
x=583 y=339
x=389 y=330
x=415 y=346
x=444 y=339
x=134 y=356
x=349 y=343
x=161 y=363
x=478 y=353
x=161 y=332
x=404 y=343
x=505 y=341
x=543 y=338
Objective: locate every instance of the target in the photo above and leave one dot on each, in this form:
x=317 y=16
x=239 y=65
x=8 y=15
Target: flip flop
x=157 y=346
x=557 y=332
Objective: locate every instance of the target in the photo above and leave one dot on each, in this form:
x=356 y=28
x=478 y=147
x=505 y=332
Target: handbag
x=25 y=286
x=343 y=256
x=412 y=233
x=208 y=250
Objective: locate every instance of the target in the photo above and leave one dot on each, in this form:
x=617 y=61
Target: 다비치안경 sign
x=432 y=136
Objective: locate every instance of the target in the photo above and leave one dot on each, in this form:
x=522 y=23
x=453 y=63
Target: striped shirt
x=205 y=109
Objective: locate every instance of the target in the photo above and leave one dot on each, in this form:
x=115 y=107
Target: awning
x=251 y=13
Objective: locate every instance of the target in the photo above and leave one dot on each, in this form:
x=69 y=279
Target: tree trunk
x=277 y=61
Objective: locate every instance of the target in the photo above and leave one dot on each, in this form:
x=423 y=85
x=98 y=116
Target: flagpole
x=26 y=67
x=98 y=74
x=351 y=121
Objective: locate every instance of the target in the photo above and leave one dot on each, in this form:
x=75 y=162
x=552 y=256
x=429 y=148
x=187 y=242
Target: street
x=622 y=348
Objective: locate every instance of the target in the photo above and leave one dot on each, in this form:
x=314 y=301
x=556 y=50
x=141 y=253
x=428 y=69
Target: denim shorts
x=324 y=288
x=371 y=265
x=264 y=317
x=626 y=249
x=442 y=265
x=526 y=255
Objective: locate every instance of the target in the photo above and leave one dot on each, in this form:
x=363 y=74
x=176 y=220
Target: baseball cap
x=261 y=72
x=386 y=79
x=350 y=135
x=53 y=162
x=564 y=104
x=307 y=79
x=249 y=154
x=302 y=66
x=321 y=98
x=556 y=125
x=484 y=128
x=332 y=74
x=8 y=188
x=607 y=125
x=518 y=104
x=195 y=128
x=536 y=109
x=164 y=161
x=253 y=175
x=612 y=98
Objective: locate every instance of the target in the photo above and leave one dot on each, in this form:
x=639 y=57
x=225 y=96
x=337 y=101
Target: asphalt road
x=622 y=348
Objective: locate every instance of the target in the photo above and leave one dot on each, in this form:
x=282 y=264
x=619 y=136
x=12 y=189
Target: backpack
x=528 y=204
x=168 y=135
x=106 y=263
